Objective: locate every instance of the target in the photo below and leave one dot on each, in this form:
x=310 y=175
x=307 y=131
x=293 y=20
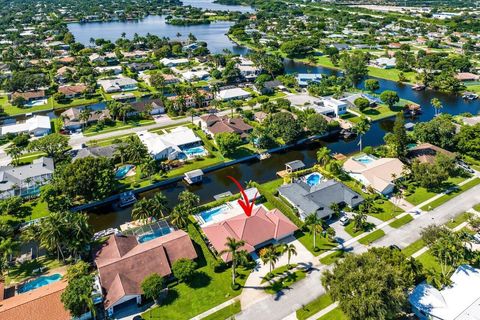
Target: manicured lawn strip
x=375 y=235
x=21 y=272
x=387 y=210
x=429 y=261
x=119 y=125
x=76 y=103
x=401 y=221
x=208 y=289
x=273 y=185
x=29 y=157
x=332 y=257
x=350 y=230
x=226 y=312
x=438 y=202
x=108 y=141
x=278 y=271
x=422 y=194
x=476 y=207
x=285 y=282
x=35 y=209
x=413 y=247
x=335 y=314
x=314 y=306
x=463 y=217
x=13 y=110
x=323 y=244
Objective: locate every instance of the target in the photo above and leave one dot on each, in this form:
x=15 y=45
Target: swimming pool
x=39 y=282
x=313 y=179
x=122 y=171
x=208 y=215
x=195 y=151
x=153 y=235
x=365 y=159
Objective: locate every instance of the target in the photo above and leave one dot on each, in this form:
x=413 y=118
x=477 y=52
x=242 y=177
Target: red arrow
x=245 y=203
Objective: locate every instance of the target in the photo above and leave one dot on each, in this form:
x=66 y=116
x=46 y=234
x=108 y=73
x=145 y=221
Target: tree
x=188 y=204
x=270 y=255
x=361 y=103
x=433 y=175
x=468 y=141
x=314 y=223
x=11 y=206
x=437 y=105
x=227 y=142
x=354 y=66
x=440 y=131
x=184 y=269
x=284 y=125
x=361 y=128
x=316 y=124
x=389 y=97
x=371 y=285
x=323 y=156
x=135 y=151
x=54 y=145
x=296 y=48
x=359 y=220
x=232 y=250
x=372 y=85
x=290 y=250
x=397 y=141
x=142 y=210
x=152 y=286
x=77 y=297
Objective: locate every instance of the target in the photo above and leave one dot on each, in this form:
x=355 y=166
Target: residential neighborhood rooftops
x=233 y=93
x=256 y=230
x=37 y=125
x=426 y=153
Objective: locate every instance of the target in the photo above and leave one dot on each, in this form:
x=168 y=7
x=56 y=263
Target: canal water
x=259 y=171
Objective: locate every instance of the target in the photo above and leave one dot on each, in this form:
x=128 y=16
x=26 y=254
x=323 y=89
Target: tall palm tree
x=84 y=115
x=52 y=234
x=8 y=247
x=291 y=250
x=271 y=256
x=125 y=109
x=159 y=204
x=437 y=105
x=359 y=220
x=233 y=248
x=314 y=223
x=180 y=216
x=323 y=156
x=142 y=210
x=361 y=128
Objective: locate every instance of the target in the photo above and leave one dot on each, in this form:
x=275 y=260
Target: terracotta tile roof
x=426 y=153
x=30 y=94
x=123 y=262
x=261 y=227
x=39 y=304
x=71 y=90
x=225 y=124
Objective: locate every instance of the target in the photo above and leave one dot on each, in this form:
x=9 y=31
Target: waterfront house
x=114 y=70
x=29 y=96
x=458 y=301
x=73 y=91
x=268 y=87
x=25 y=180
x=467 y=77
x=141 y=66
x=118 y=84
x=173 y=62
x=304 y=79
x=71 y=118
x=141 y=106
x=318 y=198
x=384 y=63
x=380 y=174
x=123 y=262
x=37 y=126
x=350 y=99
x=426 y=153
x=96 y=152
x=233 y=94
x=212 y=125
x=263 y=227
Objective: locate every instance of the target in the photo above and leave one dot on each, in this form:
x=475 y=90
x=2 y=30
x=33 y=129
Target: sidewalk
x=214 y=309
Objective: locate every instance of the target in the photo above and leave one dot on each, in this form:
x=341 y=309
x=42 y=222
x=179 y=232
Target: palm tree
x=233 y=248
x=437 y=105
x=30 y=234
x=84 y=115
x=125 y=109
x=323 y=156
x=290 y=249
x=159 y=205
x=8 y=247
x=180 y=216
x=142 y=210
x=14 y=152
x=52 y=234
x=271 y=256
x=359 y=220
x=314 y=222
x=361 y=128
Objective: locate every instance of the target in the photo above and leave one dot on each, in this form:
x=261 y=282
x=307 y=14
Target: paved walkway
x=214 y=309
x=323 y=312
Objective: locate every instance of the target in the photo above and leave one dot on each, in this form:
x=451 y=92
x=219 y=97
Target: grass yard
x=226 y=312
x=13 y=110
x=387 y=210
x=350 y=229
x=438 y=202
x=108 y=141
x=428 y=261
x=333 y=257
x=413 y=247
x=323 y=244
x=273 y=185
x=278 y=271
x=455 y=222
x=285 y=281
x=29 y=157
x=422 y=194
x=207 y=290
x=31 y=210
x=75 y=102
x=118 y=125
x=401 y=221
x=22 y=272
x=372 y=237
x=477 y=207
x=314 y=306
x=335 y=314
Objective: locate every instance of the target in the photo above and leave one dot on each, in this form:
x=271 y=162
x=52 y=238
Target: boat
x=412 y=109
x=193 y=177
x=263 y=156
x=347 y=133
x=127 y=198
x=104 y=233
x=470 y=96
x=418 y=87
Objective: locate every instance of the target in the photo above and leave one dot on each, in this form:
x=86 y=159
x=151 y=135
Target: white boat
x=127 y=198
x=263 y=156
x=470 y=96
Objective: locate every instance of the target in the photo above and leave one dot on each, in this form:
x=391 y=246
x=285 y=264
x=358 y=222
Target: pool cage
x=160 y=228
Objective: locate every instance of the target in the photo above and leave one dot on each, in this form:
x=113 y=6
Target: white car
x=476 y=238
x=344 y=220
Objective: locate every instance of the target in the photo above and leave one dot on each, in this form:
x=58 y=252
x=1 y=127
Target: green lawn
x=272 y=185
x=349 y=228
x=422 y=194
x=428 y=261
x=22 y=272
x=335 y=314
x=323 y=244
x=117 y=125
x=333 y=257
x=13 y=110
x=226 y=312
x=75 y=103
x=372 y=237
x=314 y=306
x=387 y=210
x=31 y=210
x=208 y=289
x=413 y=247
x=285 y=281
x=401 y=221
x=108 y=141
x=455 y=222
x=477 y=207
x=29 y=157
x=438 y=202
x=277 y=271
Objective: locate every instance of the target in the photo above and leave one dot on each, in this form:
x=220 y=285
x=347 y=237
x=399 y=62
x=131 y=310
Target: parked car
x=476 y=238
x=344 y=220
x=465 y=166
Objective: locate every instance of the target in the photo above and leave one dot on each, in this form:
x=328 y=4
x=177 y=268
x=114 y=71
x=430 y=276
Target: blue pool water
x=40 y=282
x=153 y=235
x=366 y=159
x=122 y=171
x=209 y=214
x=195 y=151
x=314 y=179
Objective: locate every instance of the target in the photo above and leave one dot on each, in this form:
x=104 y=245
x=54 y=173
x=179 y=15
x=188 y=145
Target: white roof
x=31 y=124
x=167 y=61
x=180 y=136
x=176 y=138
x=232 y=93
x=189 y=75
x=333 y=102
x=386 y=61
x=154 y=143
x=460 y=301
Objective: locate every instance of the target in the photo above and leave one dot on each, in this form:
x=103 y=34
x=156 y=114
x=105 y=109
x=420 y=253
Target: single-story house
x=337 y=106
x=458 y=301
x=384 y=63
x=233 y=94
x=467 y=76
x=304 y=79
x=72 y=91
x=43 y=303
x=261 y=228
x=248 y=70
x=350 y=99
x=71 y=118
x=212 y=124
x=141 y=106
x=123 y=262
x=118 y=84
x=96 y=152
x=115 y=70
x=318 y=198
x=60 y=75
x=173 y=62
x=25 y=180
x=37 y=126
x=380 y=174
x=29 y=96
x=269 y=87
x=340 y=46
x=195 y=75
x=190 y=101
x=141 y=66
x=426 y=153
x=137 y=54
x=169 y=145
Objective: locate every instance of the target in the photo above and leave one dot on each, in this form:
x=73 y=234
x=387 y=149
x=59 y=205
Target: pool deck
x=234 y=211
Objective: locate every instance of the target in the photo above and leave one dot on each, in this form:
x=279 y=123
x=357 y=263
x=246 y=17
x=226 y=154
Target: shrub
x=183 y=269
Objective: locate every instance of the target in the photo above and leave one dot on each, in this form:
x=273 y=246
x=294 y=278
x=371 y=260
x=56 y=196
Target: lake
x=210 y=5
